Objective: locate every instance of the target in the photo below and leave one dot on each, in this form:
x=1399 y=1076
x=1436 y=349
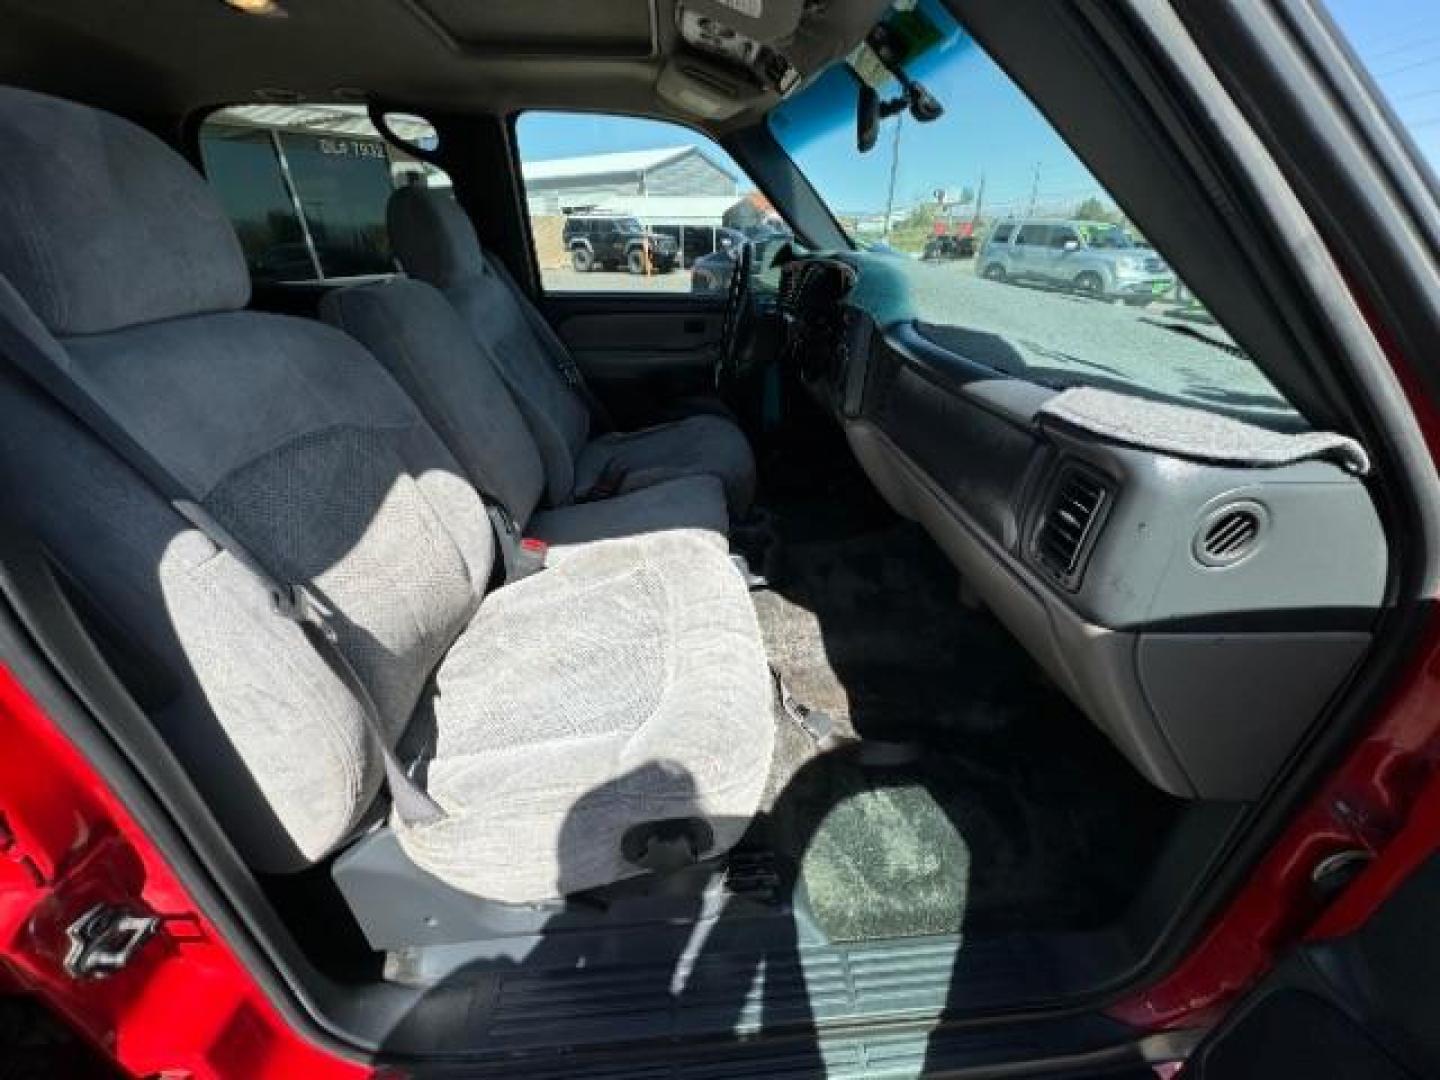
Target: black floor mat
x=1017 y=814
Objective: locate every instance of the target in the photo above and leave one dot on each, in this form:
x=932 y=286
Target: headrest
x=433 y=237
x=104 y=226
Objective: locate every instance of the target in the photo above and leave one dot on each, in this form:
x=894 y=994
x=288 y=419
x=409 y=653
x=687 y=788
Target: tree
x=1092 y=209
x=916 y=227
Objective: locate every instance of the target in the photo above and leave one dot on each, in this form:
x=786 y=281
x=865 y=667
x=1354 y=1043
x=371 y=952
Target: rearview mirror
x=924 y=106
x=867 y=118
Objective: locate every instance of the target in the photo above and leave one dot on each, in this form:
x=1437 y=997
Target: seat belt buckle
x=530 y=556
x=290 y=602
x=816 y=723
x=294 y=602
x=506 y=521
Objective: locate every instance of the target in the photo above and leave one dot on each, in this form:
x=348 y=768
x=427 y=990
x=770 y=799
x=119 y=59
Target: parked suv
x=608 y=242
x=940 y=248
x=1093 y=257
x=712 y=273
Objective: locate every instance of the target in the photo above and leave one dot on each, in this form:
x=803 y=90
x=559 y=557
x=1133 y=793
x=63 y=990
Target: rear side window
x=1038 y=235
x=307 y=186
x=624 y=204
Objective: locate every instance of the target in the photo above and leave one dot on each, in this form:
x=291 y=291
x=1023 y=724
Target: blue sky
x=989 y=127
x=1399 y=41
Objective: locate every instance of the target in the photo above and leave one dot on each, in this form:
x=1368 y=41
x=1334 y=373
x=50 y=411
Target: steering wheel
x=737 y=311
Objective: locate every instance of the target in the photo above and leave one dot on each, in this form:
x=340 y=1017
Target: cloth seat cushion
x=628 y=684
x=688 y=502
x=694 y=445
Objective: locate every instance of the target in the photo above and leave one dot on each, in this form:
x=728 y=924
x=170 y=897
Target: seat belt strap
x=37 y=355
x=559 y=355
x=814 y=722
x=297 y=603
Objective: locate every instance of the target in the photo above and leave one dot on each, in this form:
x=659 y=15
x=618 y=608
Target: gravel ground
x=615 y=281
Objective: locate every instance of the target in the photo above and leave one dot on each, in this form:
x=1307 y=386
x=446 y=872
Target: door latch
x=105 y=939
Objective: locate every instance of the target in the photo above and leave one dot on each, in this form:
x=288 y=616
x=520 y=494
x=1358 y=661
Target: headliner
x=168 y=58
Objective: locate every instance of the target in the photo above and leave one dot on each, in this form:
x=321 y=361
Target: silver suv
x=1093 y=257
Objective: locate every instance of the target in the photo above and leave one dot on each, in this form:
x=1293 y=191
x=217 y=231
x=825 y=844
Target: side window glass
x=1061 y=237
x=307 y=186
x=1003 y=232
x=1033 y=235
x=623 y=204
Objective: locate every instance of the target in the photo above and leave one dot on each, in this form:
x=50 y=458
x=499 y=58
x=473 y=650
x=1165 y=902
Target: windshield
x=1047 y=278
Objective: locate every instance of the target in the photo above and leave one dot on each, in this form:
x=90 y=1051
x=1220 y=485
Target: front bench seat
x=646 y=681
x=636 y=667
x=416 y=333
x=436 y=242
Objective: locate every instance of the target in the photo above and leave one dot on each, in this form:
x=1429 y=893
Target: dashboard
x=1202 y=612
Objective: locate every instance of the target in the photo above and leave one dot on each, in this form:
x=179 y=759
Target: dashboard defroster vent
x=1069 y=523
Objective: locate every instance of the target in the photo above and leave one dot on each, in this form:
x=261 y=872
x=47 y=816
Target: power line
x=1395 y=50
x=1395 y=99
x=1403 y=68
x=1395 y=33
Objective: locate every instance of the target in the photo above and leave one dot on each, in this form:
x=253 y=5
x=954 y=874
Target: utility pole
x=979 y=204
x=894 y=168
x=1034 y=191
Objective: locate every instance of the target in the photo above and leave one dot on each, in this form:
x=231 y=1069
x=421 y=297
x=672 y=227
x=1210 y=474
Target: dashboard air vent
x=1229 y=534
x=1072 y=516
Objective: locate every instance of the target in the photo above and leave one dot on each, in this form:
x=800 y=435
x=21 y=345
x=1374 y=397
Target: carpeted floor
x=1015 y=814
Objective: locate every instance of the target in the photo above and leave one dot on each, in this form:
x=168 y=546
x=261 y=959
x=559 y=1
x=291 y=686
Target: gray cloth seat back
x=436 y=243
x=417 y=334
x=288 y=432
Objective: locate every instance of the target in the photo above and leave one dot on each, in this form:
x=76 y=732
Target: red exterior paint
x=1414 y=844
x=1384 y=798
x=1278 y=905
x=186 y=1006
x=1415 y=765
